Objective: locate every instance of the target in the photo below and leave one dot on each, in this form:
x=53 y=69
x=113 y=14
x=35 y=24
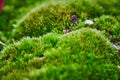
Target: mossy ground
x=36 y=47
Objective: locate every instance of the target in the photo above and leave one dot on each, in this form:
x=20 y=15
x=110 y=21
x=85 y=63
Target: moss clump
x=110 y=25
x=81 y=54
x=84 y=39
x=47 y=18
x=24 y=54
x=56 y=17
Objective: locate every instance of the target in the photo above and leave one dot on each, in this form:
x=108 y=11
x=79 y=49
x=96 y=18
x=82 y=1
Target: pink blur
x=1 y=4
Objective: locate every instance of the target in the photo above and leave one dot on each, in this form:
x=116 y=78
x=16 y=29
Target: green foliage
x=81 y=54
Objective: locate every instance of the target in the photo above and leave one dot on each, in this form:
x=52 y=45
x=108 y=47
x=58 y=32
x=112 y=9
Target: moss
x=12 y=12
x=55 y=17
x=44 y=19
x=108 y=24
x=87 y=40
x=85 y=52
x=110 y=7
x=43 y=52
x=86 y=8
x=76 y=72
x=18 y=54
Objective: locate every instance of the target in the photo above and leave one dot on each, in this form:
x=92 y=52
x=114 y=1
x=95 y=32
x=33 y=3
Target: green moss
x=86 y=8
x=18 y=54
x=55 y=17
x=84 y=40
x=82 y=54
x=110 y=25
x=85 y=52
x=12 y=12
x=111 y=7
x=76 y=72
x=87 y=40
x=46 y=18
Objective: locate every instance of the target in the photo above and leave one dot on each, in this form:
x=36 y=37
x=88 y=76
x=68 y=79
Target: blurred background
x=11 y=12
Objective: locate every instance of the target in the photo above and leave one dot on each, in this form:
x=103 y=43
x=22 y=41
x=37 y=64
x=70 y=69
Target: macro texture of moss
x=81 y=54
x=38 y=48
x=47 y=18
x=56 y=16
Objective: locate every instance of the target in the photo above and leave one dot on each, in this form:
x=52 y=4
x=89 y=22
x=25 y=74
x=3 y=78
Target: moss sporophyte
x=74 y=20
